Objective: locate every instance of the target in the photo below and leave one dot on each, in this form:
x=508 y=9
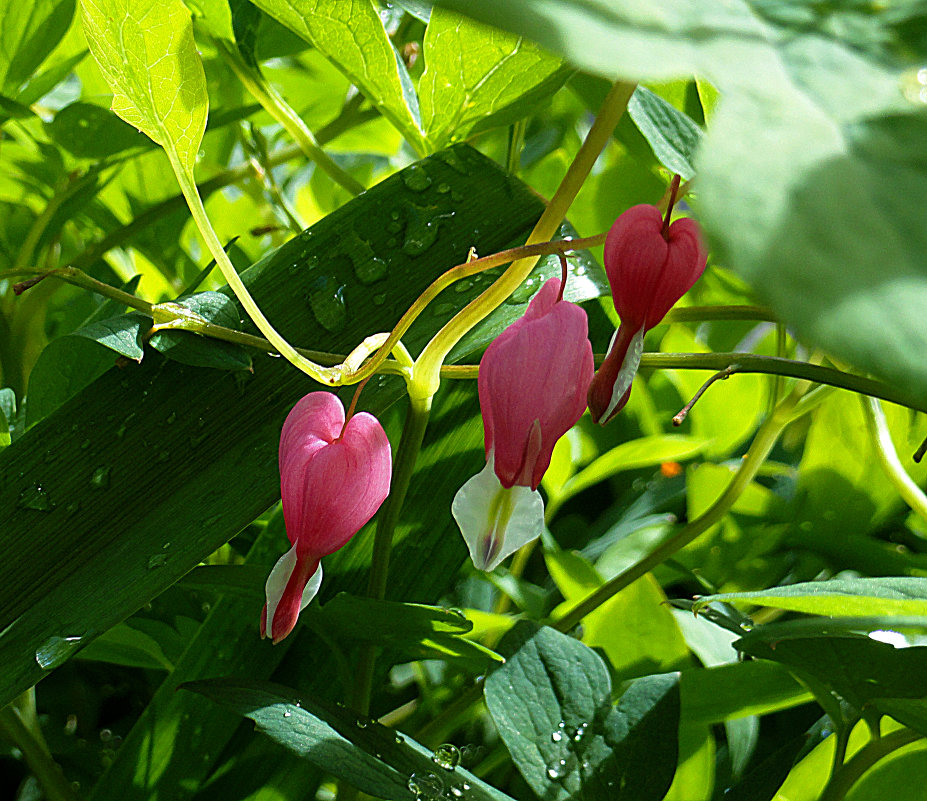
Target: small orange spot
x=670 y=469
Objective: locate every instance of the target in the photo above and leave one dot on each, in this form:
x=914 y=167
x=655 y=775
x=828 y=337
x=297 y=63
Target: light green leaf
x=643 y=452
x=477 y=77
x=672 y=135
x=146 y=52
x=31 y=29
x=350 y=34
x=862 y=597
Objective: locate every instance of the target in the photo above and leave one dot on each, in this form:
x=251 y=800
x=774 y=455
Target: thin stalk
x=53 y=782
x=907 y=488
x=427 y=375
x=410 y=444
x=867 y=756
x=282 y=112
x=766 y=437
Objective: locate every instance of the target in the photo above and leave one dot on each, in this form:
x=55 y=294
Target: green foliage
x=138 y=435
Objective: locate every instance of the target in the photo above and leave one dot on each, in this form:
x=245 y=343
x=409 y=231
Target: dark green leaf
x=855 y=670
x=551 y=702
x=121 y=334
x=414 y=631
x=764 y=780
x=838 y=597
x=126 y=645
x=187 y=347
x=88 y=131
x=183 y=416
x=371 y=757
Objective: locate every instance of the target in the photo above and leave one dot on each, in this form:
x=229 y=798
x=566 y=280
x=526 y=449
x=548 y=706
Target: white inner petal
x=632 y=360
x=496 y=522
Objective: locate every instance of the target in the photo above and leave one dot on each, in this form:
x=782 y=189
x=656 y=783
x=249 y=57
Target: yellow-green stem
x=763 y=443
x=912 y=494
x=282 y=112
x=427 y=373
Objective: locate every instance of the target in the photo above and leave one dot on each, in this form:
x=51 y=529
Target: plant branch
x=721 y=375
x=53 y=782
x=763 y=442
x=427 y=375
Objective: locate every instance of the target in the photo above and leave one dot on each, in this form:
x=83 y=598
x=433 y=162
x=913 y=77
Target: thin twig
x=721 y=375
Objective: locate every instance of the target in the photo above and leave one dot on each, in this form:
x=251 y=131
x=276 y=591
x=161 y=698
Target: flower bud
x=650 y=265
x=532 y=384
x=333 y=478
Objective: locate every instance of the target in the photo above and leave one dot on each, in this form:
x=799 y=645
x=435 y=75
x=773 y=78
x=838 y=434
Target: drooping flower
x=650 y=265
x=333 y=478
x=532 y=385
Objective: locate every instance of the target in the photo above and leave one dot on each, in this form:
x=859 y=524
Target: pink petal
x=291 y=585
x=330 y=487
x=532 y=384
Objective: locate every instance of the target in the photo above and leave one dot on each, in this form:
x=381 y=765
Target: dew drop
x=454 y=161
x=416 y=178
x=326 y=299
x=156 y=561
x=100 y=478
x=444 y=188
x=287 y=714
x=422 y=225
x=35 y=497
x=379 y=299
x=552 y=772
x=55 y=651
x=171 y=417
x=426 y=786
x=368 y=267
x=361 y=723
x=85 y=444
x=556 y=736
x=446 y=756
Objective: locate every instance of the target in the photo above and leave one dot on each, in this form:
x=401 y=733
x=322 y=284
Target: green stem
x=912 y=494
x=324 y=375
x=846 y=776
x=763 y=443
x=54 y=784
x=427 y=375
x=282 y=112
x=410 y=444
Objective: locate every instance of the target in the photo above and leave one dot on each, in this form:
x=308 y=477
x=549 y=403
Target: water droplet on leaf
x=55 y=651
x=446 y=756
x=416 y=178
x=426 y=786
x=35 y=497
x=326 y=299
x=100 y=478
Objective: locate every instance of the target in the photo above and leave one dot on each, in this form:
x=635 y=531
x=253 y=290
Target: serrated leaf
x=190 y=348
x=476 y=78
x=146 y=52
x=838 y=597
x=350 y=34
x=551 y=702
x=364 y=753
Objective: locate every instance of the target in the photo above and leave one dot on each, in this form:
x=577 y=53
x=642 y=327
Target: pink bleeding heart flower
x=532 y=384
x=333 y=478
x=650 y=265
